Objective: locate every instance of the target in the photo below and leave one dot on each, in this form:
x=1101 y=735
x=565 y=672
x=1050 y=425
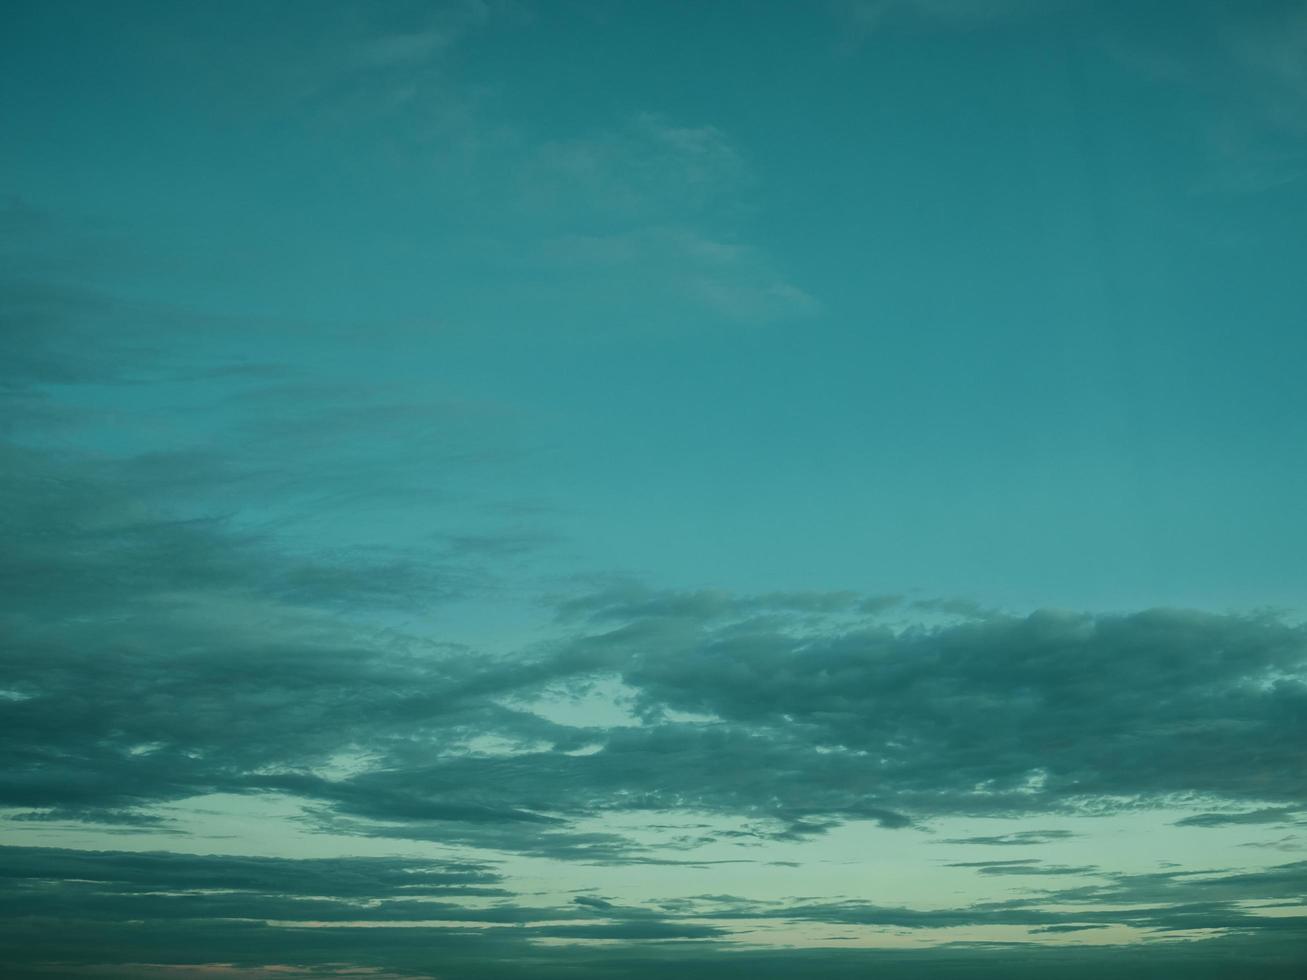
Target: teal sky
x=595 y=489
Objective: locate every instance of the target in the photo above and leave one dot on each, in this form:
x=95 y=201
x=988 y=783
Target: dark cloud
x=1279 y=814
x=1019 y=838
x=80 y=908
x=354 y=878
x=1167 y=902
x=1005 y=868
x=150 y=657
x=1054 y=712
x=220 y=662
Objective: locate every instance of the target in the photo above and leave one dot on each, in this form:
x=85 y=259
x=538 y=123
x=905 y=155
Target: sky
x=580 y=489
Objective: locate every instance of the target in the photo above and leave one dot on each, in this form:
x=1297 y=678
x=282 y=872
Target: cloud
x=655 y=206
x=1004 y=868
x=1019 y=838
x=1054 y=712
x=185 y=614
x=221 y=663
x=160 y=648
x=154 y=656
x=74 y=911
x=1264 y=815
x=349 y=878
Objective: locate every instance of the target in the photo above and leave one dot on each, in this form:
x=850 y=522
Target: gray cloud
x=1019 y=838
x=352 y=878
x=1055 y=712
x=1265 y=815
x=80 y=908
x=233 y=669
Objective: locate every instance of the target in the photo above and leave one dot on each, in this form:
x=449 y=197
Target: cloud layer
x=154 y=658
x=383 y=390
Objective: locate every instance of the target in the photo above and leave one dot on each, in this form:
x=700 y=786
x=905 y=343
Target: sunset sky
x=728 y=489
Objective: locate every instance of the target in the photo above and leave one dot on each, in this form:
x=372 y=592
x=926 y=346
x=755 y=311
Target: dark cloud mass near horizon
x=477 y=502
x=141 y=691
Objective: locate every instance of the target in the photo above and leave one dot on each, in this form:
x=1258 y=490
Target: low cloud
x=153 y=659
x=1265 y=815
x=72 y=911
